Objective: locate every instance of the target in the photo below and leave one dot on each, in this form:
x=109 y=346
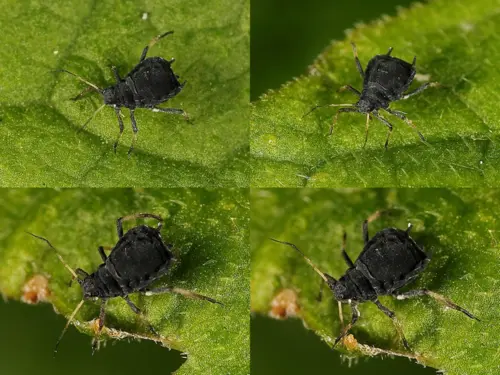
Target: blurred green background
x=29 y=334
x=287 y=35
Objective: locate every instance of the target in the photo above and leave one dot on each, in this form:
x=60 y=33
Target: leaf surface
x=209 y=231
x=458 y=119
x=39 y=128
x=457 y=227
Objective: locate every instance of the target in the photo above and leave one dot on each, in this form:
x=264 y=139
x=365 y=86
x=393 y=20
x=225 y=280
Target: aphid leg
x=395 y=320
x=81 y=273
x=366 y=128
x=183 y=292
x=152 y=43
x=356 y=60
x=341 y=315
x=102 y=315
x=350 y=88
x=115 y=72
x=137 y=311
x=132 y=306
x=366 y=236
x=390 y=51
x=80 y=95
x=337 y=115
x=102 y=253
x=91 y=118
x=402 y=116
x=414 y=62
x=418 y=90
x=355 y=316
x=135 y=130
x=319 y=298
x=174 y=111
x=119 y=226
x=437 y=297
x=387 y=123
x=372 y=217
x=120 y=124
x=344 y=253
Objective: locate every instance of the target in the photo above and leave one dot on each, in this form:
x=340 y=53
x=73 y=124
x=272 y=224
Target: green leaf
x=209 y=231
x=458 y=228
x=41 y=145
x=455 y=45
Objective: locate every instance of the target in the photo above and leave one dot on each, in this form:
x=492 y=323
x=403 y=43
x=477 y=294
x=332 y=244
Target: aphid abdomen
x=154 y=82
x=139 y=257
x=390 y=260
x=388 y=75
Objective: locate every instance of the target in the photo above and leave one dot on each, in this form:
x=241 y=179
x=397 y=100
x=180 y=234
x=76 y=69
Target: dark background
x=286 y=37
x=29 y=334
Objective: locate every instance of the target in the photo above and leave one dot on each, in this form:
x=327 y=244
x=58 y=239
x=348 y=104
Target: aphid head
x=87 y=282
x=337 y=287
x=365 y=105
x=109 y=96
x=339 y=290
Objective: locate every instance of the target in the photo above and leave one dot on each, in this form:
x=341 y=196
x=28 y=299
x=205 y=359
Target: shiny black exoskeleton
x=390 y=260
x=386 y=79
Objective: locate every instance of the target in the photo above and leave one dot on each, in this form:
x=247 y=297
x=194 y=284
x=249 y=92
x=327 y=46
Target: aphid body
x=390 y=260
x=385 y=80
x=139 y=258
x=150 y=83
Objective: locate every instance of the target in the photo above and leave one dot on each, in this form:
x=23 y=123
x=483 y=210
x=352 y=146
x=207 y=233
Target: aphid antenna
x=80 y=78
x=92 y=86
x=73 y=314
x=75 y=276
x=328 y=105
x=323 y=276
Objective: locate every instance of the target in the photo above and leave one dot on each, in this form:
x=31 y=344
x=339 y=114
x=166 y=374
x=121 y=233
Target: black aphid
x=385 y=81
x=139 y=258
x=389 y=261
x=149 y=83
